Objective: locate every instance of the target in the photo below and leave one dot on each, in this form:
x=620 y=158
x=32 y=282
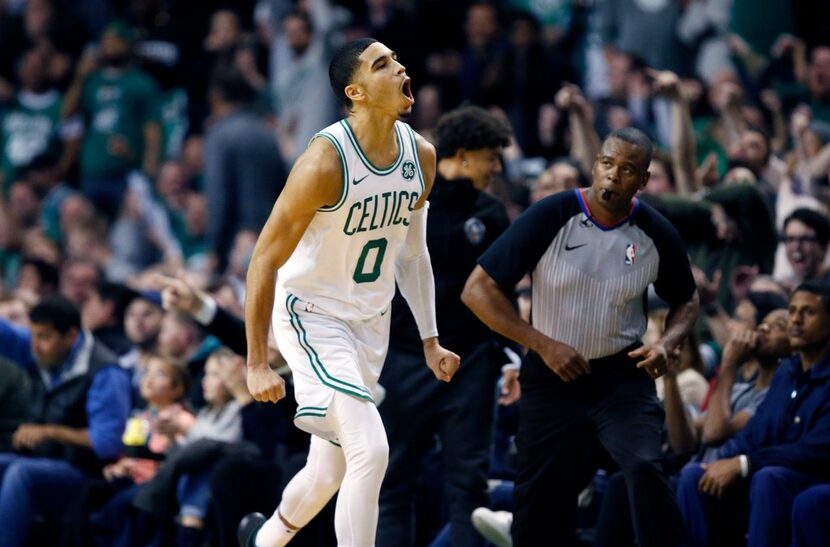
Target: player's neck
x=374 y=131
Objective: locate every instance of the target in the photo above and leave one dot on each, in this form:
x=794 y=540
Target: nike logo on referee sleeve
x=355 y=182
x=569 y=248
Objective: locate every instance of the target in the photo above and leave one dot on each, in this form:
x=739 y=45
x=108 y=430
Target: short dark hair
x=470 y=128
x=229 y=83
x=118 y=294
x=58 y=312
x=343 y=65
x=48 y=273
x=766 y=302
x=818 y=222
x=584 y=181
x=636 y=137
x=818 y=288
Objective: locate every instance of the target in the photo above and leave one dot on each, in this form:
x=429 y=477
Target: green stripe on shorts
x=314 y=359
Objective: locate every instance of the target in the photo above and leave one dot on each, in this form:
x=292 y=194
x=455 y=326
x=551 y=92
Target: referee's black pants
x=562 y=428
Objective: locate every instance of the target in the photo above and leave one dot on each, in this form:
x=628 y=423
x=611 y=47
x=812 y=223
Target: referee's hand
x=564 y=360
x=654 y=359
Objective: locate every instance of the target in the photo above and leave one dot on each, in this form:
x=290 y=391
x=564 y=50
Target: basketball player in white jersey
x=349 y=223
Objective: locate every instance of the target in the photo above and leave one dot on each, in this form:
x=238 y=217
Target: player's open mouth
x=406 y=89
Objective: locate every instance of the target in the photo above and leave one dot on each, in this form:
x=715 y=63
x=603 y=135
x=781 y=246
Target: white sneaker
x=494 y=526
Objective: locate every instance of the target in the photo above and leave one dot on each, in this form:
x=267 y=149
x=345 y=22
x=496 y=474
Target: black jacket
x=462 y=223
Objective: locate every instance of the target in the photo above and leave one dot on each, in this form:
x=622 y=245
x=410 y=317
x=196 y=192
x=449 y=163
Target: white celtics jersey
x=344 y=264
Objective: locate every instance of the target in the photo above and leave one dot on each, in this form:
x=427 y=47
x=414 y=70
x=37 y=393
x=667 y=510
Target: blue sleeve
x=750 y=437
x=809 y=453
x=108 y=406
x=517 y=251
x=756 y=431
x=16 y=344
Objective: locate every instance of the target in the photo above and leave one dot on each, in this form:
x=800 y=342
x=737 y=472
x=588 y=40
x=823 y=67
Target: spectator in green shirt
x=119 y=106
x=32 y=125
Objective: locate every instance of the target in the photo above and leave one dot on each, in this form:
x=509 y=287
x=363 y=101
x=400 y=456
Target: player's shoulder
x=320 y=163
x=426 y=150
x=322 y=155
x=427 y=157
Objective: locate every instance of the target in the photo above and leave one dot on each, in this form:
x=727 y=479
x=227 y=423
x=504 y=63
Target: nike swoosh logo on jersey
x=569 y=248
x=355 y=182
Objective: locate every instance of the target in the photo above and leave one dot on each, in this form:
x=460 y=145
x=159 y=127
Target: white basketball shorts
x=327 y=354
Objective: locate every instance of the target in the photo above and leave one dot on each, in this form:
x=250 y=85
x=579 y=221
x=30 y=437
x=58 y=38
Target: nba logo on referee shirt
x=630 y=254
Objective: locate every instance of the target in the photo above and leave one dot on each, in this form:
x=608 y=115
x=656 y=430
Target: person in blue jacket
x=784 y=449
x=79 y=403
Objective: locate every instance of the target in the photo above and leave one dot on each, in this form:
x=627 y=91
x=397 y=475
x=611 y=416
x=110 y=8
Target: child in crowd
x=148 y=436
x=225 y=394
x=164 y=423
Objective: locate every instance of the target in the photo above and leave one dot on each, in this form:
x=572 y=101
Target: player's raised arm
x=315 y=181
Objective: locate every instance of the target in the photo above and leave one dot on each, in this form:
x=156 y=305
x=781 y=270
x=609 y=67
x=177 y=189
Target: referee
x=587 y=382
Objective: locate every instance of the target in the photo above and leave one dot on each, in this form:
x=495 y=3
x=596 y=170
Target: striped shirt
x=590 y=281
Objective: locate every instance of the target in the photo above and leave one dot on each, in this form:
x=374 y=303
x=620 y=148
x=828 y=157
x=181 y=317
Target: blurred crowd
x=142 y=146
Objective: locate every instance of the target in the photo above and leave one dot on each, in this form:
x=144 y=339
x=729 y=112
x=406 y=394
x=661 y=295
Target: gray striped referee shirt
x=590 y=280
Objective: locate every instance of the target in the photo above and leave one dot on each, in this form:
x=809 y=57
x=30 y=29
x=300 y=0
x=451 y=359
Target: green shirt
x=745 y=205
x=761 y=22
x=116 y=104
x=192 y=244
x=30 y=128
x=549 y=12
x=174 y=123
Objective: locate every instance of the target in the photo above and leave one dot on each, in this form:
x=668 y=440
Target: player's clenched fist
x=264 y=384
x=441 y=361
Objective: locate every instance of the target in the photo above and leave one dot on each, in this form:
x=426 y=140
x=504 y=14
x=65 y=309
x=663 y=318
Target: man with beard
x=749 y=362
x=31 y=126
x=142 y=324
x=300 y=51
x=80 y=401
x=122 y=131
x=782 y=451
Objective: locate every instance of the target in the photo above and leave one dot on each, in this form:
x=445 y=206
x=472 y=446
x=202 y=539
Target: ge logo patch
x=475 y=230
x=408 y=170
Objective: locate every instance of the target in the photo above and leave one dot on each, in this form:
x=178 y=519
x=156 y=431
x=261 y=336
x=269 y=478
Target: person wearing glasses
x=805 y=238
